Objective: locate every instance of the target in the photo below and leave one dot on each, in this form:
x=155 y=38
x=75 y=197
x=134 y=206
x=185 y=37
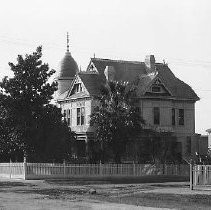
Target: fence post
x=191 y=175
x=64 y=165
x=10 y=170
x=204 y=174
x=101 y=170
x=134 y=169
x=24 y=168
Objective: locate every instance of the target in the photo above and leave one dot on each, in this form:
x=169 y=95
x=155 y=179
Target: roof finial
x=94 y=55
x=68 y=42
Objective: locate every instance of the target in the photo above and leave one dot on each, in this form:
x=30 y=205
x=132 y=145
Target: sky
x=177 y=31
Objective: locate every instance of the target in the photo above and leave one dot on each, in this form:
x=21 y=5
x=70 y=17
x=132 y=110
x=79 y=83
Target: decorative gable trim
x=77 y=81
x=92 y=68
x=157 y=87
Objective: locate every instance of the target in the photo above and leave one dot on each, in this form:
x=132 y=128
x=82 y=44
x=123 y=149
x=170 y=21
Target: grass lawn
x=173 y=201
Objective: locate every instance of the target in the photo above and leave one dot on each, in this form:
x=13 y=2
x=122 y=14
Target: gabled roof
x=178 y=88
x=144 y=82
x=131 y=70
x=124 y=70
x=92 y=82
x=62 y=96
x=136 y=71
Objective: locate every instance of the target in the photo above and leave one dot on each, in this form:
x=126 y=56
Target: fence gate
x=200 y=175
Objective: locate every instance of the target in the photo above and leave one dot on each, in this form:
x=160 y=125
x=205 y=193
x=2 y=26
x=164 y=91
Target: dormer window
x=156 y=89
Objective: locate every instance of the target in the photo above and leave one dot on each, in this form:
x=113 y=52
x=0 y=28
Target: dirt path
x=22 y=201
x=44 y=195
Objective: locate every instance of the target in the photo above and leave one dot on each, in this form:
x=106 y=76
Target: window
x=156 y=112
x=68 y=117
x=80 y=116
x=181 y=116
x=78 y=87
x=156 y=89
x=173 y=116
x=65 y=114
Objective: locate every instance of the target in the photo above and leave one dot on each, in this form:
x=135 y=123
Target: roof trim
x=151 y=83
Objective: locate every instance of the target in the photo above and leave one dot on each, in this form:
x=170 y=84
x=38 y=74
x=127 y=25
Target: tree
x=116 y=118
x=26 y=111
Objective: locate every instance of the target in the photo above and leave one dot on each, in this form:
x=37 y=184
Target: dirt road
x=55 y=195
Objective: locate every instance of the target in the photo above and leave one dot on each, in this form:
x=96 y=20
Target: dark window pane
x=82 y=115
x=173 y=116
x=65 y=113
x=181 y=116
x=156 y=89
x=78 y=116
x=156 y=115
x=68 y=121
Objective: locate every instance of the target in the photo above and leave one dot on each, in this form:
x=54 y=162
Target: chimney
x=150 y=63
x=109 y=73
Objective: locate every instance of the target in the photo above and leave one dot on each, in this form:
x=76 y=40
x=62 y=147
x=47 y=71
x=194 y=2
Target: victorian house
x=167 y=103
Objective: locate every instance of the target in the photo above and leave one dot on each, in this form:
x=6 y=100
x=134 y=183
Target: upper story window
x=78 y=87
x=156 y=89
x=173 y=115
x=80 y=116
x=156 y=114
x=181 y=117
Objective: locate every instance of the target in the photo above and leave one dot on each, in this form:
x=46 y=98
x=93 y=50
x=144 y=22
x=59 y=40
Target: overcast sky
x=178 y=31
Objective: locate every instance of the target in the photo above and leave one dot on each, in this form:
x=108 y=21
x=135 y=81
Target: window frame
x=181 y=117
x=156 y=115
x=155 y=91
x=173 y=116
x=80 y=116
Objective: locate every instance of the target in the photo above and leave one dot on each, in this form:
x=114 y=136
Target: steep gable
x=178 y=88
x=77 y=89
x=156 y=88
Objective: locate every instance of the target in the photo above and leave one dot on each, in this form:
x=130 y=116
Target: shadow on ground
x=120 y=180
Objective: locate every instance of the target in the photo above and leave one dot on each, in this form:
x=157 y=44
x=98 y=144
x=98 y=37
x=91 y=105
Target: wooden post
x=64 y=165
x=204 y=174
x=191 y=175
x=100 y=169
x=24 y=168
x=134 y=168
x=10 y=168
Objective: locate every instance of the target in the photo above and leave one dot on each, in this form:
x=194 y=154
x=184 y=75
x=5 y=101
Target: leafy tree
x=33 y=124
x=116 y=118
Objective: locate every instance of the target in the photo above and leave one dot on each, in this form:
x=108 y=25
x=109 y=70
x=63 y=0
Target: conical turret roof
x=68 y=66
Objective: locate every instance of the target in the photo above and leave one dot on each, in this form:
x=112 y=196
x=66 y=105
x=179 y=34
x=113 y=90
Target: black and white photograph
x=105 y=105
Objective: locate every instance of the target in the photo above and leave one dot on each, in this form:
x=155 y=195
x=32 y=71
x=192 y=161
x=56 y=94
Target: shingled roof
x=124 y=70
x=92 y=82
x=133 y=70
x=178 y=88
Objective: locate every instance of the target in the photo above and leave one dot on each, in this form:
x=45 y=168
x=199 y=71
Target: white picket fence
x=66 y=171
x=12 y=170
x=201 y=175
